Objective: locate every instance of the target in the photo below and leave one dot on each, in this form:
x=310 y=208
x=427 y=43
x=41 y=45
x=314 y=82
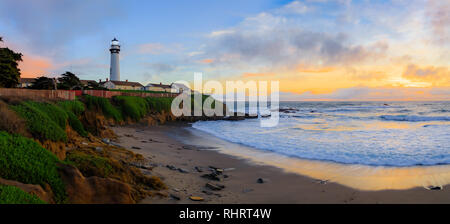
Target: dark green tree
x=95 y=86
x=43 y=83
x=70 y=81
x=9 y=71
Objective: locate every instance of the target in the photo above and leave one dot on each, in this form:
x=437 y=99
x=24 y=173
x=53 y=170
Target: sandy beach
x=175 y=153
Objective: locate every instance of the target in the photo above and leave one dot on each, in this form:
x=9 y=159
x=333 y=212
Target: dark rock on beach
x=212 y=176
x=262 y=180
x=214 y=187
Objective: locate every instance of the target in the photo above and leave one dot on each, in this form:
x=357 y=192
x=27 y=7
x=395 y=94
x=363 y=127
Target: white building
x=114 y=73
x=123 y=85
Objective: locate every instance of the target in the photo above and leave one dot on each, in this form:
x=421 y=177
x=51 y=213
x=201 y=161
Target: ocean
x=397 y=134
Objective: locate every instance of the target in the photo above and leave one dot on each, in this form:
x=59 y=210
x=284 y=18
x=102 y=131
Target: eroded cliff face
x=94 y=170
x=89 y=183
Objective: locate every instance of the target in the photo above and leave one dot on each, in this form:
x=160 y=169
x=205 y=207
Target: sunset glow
x=318 y=50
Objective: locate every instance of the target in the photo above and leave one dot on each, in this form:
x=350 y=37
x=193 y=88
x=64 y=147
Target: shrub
x=39 y=123
x=136 y=91
x=55 y=113
x=74 y=106
x=90 y=165
x=14 y=195
x=11 y=122
x=76 y=124
x=132 y=106
x=103 y=105
x=24 y=160
x=159 y=104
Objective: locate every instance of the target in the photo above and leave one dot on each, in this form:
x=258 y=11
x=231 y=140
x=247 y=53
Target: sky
x=316 y=49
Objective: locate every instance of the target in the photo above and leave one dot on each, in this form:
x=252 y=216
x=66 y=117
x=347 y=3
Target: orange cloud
x=304 y=69
x=34 y=66
x=436 y=76
x=151 y=48
x=248 y=75
x=207 y=61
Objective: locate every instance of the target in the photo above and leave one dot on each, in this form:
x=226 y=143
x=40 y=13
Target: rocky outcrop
x=94 y=190
x=57 y=148
x=44 y=194
x=97 y=124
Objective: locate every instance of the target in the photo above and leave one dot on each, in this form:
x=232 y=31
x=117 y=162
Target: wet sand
x=175 y=145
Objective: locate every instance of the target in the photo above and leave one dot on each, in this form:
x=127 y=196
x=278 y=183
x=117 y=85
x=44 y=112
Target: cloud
x=158 y=48
x=438 y=12
x=438 y=76
x=151 y=48
x=266 y=38
x=160 y=67
x=207 y=61
x=295 y=7
x=252 y=75
x=46 y=26
x=34 y=66
x=370 y=94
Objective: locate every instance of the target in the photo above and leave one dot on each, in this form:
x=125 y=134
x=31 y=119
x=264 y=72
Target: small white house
x=179 y=88
x=158 y=87
x=124 y=85
x=25 y=82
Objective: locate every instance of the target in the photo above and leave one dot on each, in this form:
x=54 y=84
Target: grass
x=90 y=165
x=14 y=195
x=55 y=113
x=159 y=104
x=11 y=122
x=41 y=121
x=24 y=160
x=76 y=124
x=74 y=106
x=132 y=106
x=103 y=105
x=136 y=91
x=137 y=107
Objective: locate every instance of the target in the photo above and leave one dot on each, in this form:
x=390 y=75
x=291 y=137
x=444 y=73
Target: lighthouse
x=114 y=73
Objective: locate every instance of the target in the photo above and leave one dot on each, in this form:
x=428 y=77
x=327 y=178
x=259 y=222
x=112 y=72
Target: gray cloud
x=160 y=67
x=279 y=44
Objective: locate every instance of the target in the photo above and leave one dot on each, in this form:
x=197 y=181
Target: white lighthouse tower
x=114 y=73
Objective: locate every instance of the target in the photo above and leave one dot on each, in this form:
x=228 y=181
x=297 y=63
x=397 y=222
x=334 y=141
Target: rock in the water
x=214 y=187
x=434 y=188
x=322 y=181
x=135 y=147
x=195 y=198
